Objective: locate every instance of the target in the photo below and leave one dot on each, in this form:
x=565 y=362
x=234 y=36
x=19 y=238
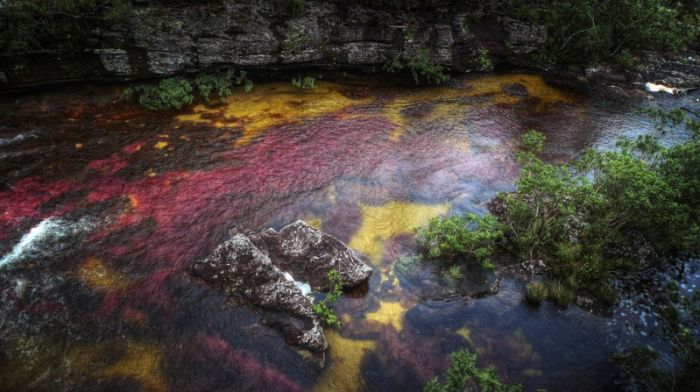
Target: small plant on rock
x=305 y=83
x=324 y=308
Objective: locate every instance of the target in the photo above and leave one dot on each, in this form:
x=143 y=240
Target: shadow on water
x=103 y=207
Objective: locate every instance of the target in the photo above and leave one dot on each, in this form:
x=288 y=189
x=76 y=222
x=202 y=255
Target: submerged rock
x=242 y=268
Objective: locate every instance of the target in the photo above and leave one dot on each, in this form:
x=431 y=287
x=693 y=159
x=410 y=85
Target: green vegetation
x=627 y=208
x=221 y=83
x=469 y=236
x=464 y=375
x=483 y=62
x=453 y=272
x=305 y=83
x=55 y=25
x=174 y=93
x=324 y=309
x=420 y=65
x=594 y=30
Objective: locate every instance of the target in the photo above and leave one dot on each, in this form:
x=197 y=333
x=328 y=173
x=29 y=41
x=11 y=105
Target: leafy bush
x=464 y=375
x=468 y=236
x=324 y=308
x=172 y=93
x=626 y=208
x=589 y=31
x=421 y=66
x=221 y=83
x=305 y=83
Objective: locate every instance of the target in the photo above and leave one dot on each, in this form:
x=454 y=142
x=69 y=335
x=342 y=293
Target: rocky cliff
x=161 y=39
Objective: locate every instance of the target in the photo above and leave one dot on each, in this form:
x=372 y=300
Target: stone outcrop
x=166 y=38
x=308 y=254
x=242 y=268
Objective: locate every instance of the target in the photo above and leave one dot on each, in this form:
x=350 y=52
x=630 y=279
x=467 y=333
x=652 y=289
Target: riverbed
x=104 y=206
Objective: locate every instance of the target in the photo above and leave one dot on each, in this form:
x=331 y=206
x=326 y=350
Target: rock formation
x=242 y=268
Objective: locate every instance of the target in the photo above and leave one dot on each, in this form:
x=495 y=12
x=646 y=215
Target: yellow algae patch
x=161 y=145
x=534 y=84
x=394 y=109
x=95 y=273
x=466 y=333
x=142 y=363
x=389 y=313
x=270 y=105
x=314 y=222
x=380 y=223
x=344 y=374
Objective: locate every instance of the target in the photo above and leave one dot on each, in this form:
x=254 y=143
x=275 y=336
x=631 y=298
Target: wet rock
x=255 y=269
x=240 y=269
x=308 y=254
x=115 y=61
x=523 y=37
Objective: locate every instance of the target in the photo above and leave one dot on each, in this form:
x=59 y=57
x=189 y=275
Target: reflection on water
x=103 y=207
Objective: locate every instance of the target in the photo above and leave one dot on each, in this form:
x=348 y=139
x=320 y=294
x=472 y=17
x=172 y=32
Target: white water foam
x=17 y=138
x=655 y=88
x=48 y=230
x=303 y=286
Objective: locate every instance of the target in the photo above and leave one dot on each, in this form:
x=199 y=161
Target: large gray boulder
x=240 y=269
x=269 y=268
x=308 y=254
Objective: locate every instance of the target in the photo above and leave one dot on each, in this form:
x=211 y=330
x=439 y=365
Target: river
x=105 y=205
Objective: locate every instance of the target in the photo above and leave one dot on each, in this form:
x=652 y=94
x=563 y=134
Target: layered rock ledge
x=269 y=270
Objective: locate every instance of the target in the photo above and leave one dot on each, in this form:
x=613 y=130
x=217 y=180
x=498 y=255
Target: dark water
x=103 y=207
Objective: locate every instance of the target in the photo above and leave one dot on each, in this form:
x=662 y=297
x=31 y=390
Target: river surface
x=104 y=206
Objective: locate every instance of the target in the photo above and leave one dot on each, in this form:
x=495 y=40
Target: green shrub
x=591 y=31
x=221 y=83
x=464 y=375
x=603 y=212
x=420 y=65
x=172 y=93
x=305 y=83
x=560 y=294
x=627 y=61
x=535 y=293
x=469 y=236
x=483 y=60
x=324 y=308
x=453 y=272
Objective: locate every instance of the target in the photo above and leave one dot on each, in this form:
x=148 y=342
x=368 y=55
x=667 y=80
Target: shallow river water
x=104 y=206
